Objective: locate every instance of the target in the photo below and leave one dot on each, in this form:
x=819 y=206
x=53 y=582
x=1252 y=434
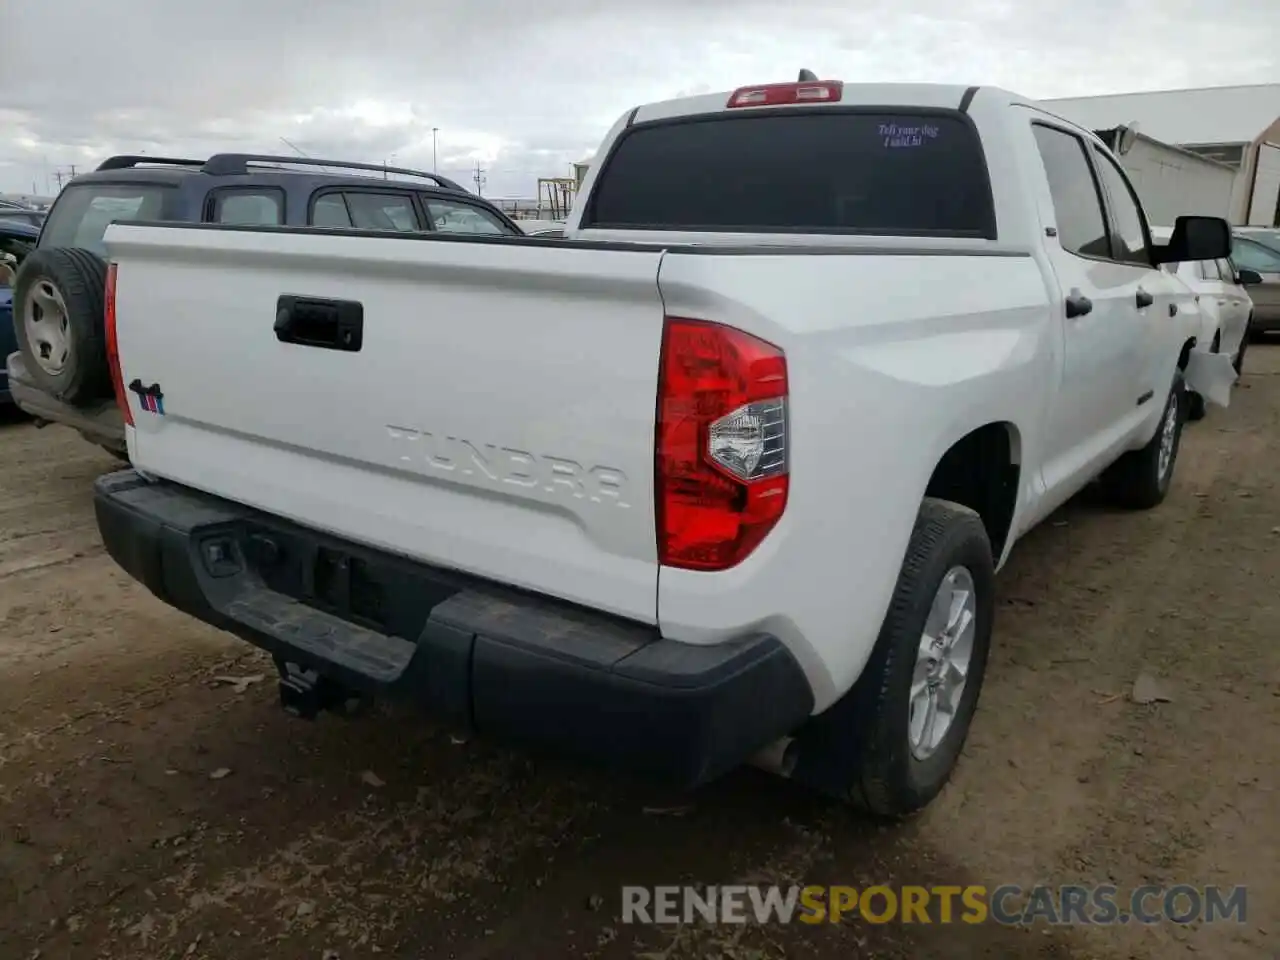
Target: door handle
x=1144 y=299
x=1222 y=303
x=320 y=322
x=1078 y=305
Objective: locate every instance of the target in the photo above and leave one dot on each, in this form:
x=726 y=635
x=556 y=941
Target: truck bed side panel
x=892 y=358
x=498 y=417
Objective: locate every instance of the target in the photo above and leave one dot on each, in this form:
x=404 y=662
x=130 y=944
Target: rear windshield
x=892 y=174
x=81 y=215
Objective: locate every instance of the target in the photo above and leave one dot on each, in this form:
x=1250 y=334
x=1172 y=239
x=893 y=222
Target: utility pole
x=62 y=177
x=435 y=167
x=480 y=179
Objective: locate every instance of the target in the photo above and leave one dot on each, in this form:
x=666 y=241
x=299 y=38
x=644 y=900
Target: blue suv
x=17 y=240
x=58 y=371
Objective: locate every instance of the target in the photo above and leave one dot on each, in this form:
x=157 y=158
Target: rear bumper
x=100 y=423
x=507 y=663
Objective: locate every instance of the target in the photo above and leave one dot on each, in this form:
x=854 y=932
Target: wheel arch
x=1184 y=357
x=982 y=471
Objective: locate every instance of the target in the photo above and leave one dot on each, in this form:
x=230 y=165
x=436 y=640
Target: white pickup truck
x=722 y=476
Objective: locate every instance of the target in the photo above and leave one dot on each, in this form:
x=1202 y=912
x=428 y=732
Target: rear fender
x=886 y=375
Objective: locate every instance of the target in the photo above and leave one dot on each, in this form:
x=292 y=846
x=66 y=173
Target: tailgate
x=497 y=416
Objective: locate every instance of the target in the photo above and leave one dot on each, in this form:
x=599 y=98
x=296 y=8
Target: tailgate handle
x=320 y=322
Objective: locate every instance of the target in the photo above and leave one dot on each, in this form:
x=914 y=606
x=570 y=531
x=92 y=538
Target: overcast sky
x=525 y=87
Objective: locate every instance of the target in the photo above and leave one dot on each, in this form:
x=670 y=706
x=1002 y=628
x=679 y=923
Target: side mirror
x=1248 y=278
x=1195 y=238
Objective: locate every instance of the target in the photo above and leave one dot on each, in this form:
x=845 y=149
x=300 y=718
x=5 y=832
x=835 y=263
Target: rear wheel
x=889 y=746
x=1140 y=479
x=58 y=321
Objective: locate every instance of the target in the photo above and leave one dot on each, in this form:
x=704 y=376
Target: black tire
x=1136 y=481
x=1238 y=362
x=1195 y=406
x=80 y=278
x=860 y=749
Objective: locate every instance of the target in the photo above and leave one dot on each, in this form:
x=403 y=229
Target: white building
x=1238 y=126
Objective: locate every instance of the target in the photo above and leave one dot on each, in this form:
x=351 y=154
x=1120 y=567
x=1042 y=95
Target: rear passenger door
x=364 y=209
x=1157 y=295
x=245 y=206
x=1099 y=313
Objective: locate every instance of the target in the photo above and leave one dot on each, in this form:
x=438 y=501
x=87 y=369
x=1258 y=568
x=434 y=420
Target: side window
x=330 y=210
x=248 y=207
x=1254 y=256
x=1208 y=270
x=1131 y=233
x=382 y=211
x=82 y=212
x=1226 y=271
x=450 y=217
x=1077 y=207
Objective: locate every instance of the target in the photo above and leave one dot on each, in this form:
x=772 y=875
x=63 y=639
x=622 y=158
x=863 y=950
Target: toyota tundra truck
x=721 y=476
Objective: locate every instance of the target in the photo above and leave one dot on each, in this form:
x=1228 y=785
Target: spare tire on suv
x=58 y=301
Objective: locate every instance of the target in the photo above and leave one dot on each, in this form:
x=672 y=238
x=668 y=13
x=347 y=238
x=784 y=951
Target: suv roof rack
x=124 y=161
x=232 y=164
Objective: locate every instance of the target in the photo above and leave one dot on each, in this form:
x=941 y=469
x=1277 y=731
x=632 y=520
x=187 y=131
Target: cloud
x=524 y=89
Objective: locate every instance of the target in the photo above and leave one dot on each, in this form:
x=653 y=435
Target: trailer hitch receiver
x=306 y=693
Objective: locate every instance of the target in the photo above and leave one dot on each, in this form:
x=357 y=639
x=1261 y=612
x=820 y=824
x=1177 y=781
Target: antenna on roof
x=807 y=76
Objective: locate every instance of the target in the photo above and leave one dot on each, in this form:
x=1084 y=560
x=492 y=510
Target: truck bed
x=499 y=415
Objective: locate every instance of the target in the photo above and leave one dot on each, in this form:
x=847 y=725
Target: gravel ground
x=150 y=809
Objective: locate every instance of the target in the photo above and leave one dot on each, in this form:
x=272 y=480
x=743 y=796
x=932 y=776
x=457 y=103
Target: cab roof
x=945 y=96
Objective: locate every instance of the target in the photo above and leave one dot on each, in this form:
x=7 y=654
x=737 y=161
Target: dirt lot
x=149 y=810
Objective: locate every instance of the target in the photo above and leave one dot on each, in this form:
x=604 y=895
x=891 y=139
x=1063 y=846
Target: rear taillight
x=722 y=457
x=779 y=94
x=113 y=349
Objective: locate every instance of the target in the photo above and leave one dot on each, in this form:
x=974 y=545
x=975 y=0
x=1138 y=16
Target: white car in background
x=1224 y=308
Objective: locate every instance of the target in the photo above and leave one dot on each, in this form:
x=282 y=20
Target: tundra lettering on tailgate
x=499 y=465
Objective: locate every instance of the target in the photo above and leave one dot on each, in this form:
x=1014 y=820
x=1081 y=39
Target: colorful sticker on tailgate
x=150 y=398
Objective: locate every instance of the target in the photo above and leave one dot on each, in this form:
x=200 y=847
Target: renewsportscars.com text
x=1007 y=904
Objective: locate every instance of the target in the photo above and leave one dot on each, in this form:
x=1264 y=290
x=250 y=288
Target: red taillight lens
x=113 y=350
x=722 y=450
x=779 y=94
